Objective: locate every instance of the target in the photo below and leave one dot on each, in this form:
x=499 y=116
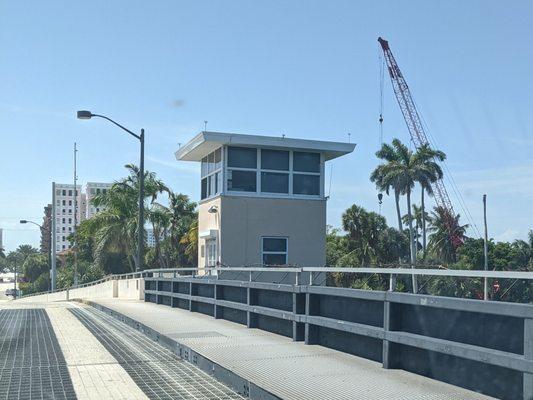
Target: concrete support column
x=528 y=355
x=114 y=288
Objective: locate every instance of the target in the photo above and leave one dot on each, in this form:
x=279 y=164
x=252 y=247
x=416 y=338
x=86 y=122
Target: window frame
x=258 y=170
x=286 y=252
x=209 y=173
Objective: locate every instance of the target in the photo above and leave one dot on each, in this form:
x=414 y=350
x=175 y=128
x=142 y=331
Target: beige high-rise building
x=92 y=189
x=262 y=198
x=63 y=213
x=63 y=209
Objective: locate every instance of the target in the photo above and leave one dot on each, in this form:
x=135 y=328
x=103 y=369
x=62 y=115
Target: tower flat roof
x=205 y=142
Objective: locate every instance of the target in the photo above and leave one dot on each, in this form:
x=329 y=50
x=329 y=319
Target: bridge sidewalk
x=287 y=369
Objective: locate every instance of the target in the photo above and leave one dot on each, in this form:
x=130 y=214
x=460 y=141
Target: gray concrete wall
x=244 y=220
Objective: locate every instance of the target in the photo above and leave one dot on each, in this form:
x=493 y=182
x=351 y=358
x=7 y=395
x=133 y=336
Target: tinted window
x=244 y=181
x=306 y=162
x=274 y=259
x=306 y=184
x=211 y=162
x=204 y=189
x=242 y=157
x=272 y=182
x=218 y=158
x=204 y=166
x=274 y=244
x=275 y=159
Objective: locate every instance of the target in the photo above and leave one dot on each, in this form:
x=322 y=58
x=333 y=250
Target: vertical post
x=485 y=250
x=249 y=317
x=15 y=280
x=387 y=362
x=528 y=355
x=54 y=237
x=392 y=282
x=140 y=228
x=75 y=220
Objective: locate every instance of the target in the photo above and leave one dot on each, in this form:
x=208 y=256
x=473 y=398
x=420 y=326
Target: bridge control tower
x=262 y=198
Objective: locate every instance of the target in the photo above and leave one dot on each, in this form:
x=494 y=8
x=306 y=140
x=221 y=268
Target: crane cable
x=451 y=180
x=381 y=83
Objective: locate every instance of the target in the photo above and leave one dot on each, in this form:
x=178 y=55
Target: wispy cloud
x=516 y=180
x=177 y=165
x=31 y=111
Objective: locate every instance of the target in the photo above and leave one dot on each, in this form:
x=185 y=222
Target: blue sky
x=306 y=69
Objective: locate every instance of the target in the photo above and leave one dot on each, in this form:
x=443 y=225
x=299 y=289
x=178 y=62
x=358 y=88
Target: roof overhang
x=205 y=142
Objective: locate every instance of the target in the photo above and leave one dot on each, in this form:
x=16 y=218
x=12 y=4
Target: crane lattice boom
x=412 y=119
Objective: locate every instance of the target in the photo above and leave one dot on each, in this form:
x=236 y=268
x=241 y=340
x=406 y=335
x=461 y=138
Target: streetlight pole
x=49 y=231
x=140 y=228
x=485 y=250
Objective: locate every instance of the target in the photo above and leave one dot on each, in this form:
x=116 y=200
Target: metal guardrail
x=391 y=272
x=435 y=336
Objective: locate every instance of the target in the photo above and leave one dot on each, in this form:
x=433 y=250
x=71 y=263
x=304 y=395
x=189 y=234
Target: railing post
x=386 y=355
x=528 y=355
x=249 y=317
x=215 y=297
x=392 y=282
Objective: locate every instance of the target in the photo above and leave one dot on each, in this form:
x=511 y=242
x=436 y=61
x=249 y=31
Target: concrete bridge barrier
x=132 y=289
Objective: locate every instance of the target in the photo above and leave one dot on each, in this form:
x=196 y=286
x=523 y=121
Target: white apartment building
x=150 y=237
x=92 y=189
x=64 y=207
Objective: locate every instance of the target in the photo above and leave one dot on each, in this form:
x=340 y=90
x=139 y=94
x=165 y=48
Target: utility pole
x=485 y=250
x=75 y=244
x=15 y=276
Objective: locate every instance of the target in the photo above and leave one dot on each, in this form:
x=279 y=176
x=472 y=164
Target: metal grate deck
x=32 y=365
x=158 y=372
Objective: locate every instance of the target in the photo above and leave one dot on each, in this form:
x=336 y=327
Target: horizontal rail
x=365 y=270
x=527 y=275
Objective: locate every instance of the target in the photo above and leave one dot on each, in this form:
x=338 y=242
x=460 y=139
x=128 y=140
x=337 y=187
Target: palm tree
x=116 y=227
x=364 y=229
x=406 y=169
x=446 y=234
x=190 y=242
x=384 y=182
x=182 y=213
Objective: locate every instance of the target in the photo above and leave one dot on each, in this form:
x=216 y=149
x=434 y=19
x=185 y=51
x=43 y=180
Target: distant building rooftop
x=205 y=142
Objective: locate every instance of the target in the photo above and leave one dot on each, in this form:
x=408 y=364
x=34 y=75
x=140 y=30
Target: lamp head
x=23 y=221
x=84 y=114
x=213 y=210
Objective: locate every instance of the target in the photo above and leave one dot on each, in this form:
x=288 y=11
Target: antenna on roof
x=179 y=145
x=205 y=126
x=349 y=137
x=283 y=136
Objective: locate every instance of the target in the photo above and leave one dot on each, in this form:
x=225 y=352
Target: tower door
x=211 y=256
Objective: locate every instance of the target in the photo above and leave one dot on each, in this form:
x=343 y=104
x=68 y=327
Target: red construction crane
x=416 y=129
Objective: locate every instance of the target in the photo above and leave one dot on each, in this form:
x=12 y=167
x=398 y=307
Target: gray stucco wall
x=244 y=220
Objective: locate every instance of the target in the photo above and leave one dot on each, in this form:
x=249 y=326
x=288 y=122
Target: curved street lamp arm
x=35 y=223
x=117 y=124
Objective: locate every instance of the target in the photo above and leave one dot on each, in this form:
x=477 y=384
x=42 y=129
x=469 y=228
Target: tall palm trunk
x=398 y=212
x=423 y=225
x=411 y=239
